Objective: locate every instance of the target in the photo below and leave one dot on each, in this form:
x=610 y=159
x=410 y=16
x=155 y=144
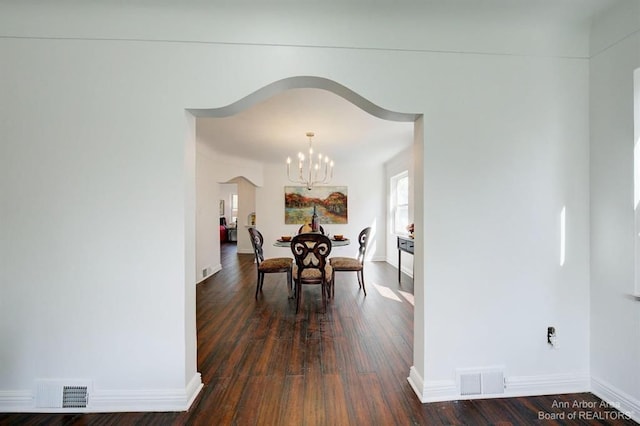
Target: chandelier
x=311 y=172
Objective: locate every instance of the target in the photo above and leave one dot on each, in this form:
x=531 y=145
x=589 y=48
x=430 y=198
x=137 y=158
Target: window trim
x=393 y=181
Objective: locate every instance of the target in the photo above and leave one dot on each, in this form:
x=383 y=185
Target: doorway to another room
x=228 y=213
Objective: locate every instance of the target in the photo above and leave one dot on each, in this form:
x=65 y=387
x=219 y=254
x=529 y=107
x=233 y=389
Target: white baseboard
x=179 y=399
x=16 y=401
x=447 y=390
x=245 y=251
x=405 y=270
x=623 y=402
x=547 y=384
x=434 y=391
x=193 y=389
x=214 y=270
x=416 y=382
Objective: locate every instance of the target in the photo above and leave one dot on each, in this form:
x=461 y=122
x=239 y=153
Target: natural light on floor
x=407 y=296
x=386 y=292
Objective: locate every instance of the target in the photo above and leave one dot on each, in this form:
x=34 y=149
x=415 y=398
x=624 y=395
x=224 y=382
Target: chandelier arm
x=316 y=180
x=324 y=179
x=293 y=180
x=298 y=180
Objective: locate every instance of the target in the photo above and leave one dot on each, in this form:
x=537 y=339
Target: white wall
x=207 y=213
x=212 y=170
x=97 y=182
x=504 y=151
x=365 y=201
x=615 y=313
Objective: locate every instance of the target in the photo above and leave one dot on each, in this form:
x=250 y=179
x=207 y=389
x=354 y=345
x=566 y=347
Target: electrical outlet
x=552 y=337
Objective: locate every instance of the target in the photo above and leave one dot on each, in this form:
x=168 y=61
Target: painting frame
x=331 y=203
x=221 y=207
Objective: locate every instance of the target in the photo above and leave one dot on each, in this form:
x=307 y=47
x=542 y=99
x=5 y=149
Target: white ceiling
x=276 y=129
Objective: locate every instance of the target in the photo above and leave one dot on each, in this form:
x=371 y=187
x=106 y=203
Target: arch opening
x=311 y=82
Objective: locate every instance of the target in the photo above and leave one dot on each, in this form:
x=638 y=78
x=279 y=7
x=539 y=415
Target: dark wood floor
x=264 y=365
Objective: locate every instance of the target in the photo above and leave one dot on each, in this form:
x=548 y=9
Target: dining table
x=334 y=243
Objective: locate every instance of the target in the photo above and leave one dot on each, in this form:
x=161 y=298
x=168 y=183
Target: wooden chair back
x=310 y=251
x=363 y=239
x=257 y=241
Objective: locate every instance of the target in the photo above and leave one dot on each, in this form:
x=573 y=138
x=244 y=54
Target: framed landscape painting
x=330 y=203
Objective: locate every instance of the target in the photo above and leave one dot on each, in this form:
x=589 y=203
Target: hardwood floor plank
x=356 y=348
x=228 y=403
x=336 y=357
x=291 y=410
x=273 y=399
x=313 y=356
x=263 y=364
x=230 y=356
x=335 y=397
x=378 y=408
x=249 y=405
x=297 y=349
x=314 y=405
x=208 y=404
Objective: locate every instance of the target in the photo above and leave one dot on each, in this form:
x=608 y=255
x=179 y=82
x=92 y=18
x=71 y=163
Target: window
x=234 y=208
x=400 y=202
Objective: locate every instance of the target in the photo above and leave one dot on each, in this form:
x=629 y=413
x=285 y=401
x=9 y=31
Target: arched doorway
x=415 y=121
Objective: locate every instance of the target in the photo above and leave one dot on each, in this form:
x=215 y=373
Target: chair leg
x=290 y=284
x=298 y=295
x=361 y=279
x=324 y=295
x=332 y=288
x=258 y=285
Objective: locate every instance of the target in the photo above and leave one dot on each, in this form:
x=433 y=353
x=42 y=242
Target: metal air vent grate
x=481 y=381
x=74 y=397
x=470 y=384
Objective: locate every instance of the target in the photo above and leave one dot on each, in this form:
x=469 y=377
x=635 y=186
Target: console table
x=404 y=244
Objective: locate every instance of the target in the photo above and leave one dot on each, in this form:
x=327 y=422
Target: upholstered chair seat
x=275 y=264
x=346 y=263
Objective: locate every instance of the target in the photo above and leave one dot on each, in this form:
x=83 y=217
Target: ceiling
x=275 y=129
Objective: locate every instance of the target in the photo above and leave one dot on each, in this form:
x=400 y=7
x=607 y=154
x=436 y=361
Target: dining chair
x=310 y=252
x=269 y=265
x=339 y=264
